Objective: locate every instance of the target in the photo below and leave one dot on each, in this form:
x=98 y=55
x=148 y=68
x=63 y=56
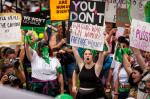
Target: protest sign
x=86 y=19
x=110 y=9
x=10 y=32
x=140 y=35
x=137 y=9
x=59 y=9
x=122 y=17
x=47 y=14
x=35 y=20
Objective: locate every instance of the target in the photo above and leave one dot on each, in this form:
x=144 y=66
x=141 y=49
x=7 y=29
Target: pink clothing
x=110 y=43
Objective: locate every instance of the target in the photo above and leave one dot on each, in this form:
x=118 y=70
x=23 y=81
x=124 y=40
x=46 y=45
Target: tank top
x=88 y=78
x=123 y=77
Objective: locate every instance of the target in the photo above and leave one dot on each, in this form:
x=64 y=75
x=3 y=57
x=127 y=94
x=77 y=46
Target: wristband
x=116 y=93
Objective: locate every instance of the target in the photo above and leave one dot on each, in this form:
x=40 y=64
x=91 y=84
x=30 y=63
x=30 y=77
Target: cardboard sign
x=122 y=17
x=35 y=20
x=137 y=9
x=59 y=9
x=86 y=19
x=110 y=9
x=140 y=35
x=10 y=32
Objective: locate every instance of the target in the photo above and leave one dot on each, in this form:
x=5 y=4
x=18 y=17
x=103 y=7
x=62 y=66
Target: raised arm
x=22 y=53
x=29 y=51
x=114 y=30
x=17 y=49
x=126 y=65
x=78 y=58
x=106 y=53
x=99 y=63
x=53 y=42
x=139 y=58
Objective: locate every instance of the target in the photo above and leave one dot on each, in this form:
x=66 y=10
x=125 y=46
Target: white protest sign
x=140 y=35
x=87 y=36
x=137 y=9
x=10 y=31
x=110 y=9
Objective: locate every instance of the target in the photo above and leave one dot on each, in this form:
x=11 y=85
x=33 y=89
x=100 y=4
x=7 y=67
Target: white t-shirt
x=115 y=64
x=123 y=77
x=42 y=70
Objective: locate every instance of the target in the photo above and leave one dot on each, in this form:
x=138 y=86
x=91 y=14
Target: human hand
x=108 y=85
x=114 y=30
x=74 y=89
x=4 y=78
x=115 y=97
x=128 y=27
x=29 y=33
x=65 y=48
x=6 y=61
x=132 y=61
x=135 y=50
x=63 y=41
x=61 y=51
x=114 y=38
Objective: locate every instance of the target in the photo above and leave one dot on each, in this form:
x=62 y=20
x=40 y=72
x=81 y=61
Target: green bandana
x=93 y=51
x=127 y=51
x=45 y=54
x=1 y=51
x=35 y=46
x=63 y=96
x=118 y=55
x=28 y=39
x=58 y=23
x=119 y=51
x=59 y=69
x=149 y=98
x=105 y=48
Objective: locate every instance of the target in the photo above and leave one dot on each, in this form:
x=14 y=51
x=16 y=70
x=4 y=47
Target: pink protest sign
x=140 y=35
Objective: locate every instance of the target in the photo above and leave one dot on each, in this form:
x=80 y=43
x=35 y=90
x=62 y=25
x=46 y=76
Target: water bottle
x=147 y=12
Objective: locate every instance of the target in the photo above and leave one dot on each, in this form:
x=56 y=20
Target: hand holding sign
x=139 y=36
x=85 y=30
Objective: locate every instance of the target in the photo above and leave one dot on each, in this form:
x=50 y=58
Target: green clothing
x=124 y=89
x=38 y=87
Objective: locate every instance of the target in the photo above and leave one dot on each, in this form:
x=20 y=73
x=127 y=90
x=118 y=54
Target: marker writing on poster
x=143 y=35
x=85 y=42
x=87 y=13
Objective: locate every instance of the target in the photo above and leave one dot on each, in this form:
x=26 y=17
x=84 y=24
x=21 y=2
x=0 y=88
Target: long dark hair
x=132 y=84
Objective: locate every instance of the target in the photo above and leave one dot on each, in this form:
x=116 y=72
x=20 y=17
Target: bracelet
x=116 y=93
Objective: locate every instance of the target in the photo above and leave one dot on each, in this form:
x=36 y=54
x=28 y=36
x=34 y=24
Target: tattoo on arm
x=31 y=51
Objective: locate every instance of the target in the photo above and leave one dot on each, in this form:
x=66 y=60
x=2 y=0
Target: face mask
x=45 y=54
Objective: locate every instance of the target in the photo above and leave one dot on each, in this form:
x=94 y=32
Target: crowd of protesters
x=50 y=66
